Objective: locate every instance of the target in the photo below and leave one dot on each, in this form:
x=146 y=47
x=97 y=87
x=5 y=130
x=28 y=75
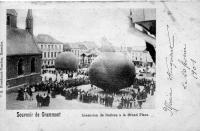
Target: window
x=54 y=54
x=48 y=54
x=48 y=46
x=51 y=54
x=8 y=20
x=1 y=50
x=32 y=65
x=41 y=46
x=1 y=79
x=20 y=67
x=1 y=64
x=1 y=67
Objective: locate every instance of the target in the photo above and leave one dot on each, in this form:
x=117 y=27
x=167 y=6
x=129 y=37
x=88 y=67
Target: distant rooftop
x=138 y=48
x=82 y=45
x=44 y=38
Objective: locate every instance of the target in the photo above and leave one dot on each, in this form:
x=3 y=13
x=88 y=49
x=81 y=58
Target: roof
x=139 y=15
x=44 y=38
x=146 y=18
x=82 y=46
x=78 y=45
x=74 y=45
x=11 y=12
x=129 y=49
x=20 y=42
x=106 y=45
x=90 y=44
x=94 y=52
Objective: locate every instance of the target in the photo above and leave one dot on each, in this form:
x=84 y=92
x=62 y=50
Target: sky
x=76 y=25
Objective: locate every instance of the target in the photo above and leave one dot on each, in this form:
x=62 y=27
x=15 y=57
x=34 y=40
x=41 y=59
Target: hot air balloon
x=66 y=61
x=112 y=71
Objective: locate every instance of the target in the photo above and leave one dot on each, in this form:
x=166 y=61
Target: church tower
x=29 y=22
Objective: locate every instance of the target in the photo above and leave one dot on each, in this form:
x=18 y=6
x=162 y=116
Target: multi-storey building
x=77 y=48
x=143 y=21
x=85 y=51
x=1 y=66
x=50 y=48
x=140 y=56
x=137 y=54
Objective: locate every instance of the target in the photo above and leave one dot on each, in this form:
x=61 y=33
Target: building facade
x=50 y=48
x=141 y=57
x=88 y=56
x=138 y=55
x=23 y=56
x=77 y=49
x=1 y=66
x=85 y=51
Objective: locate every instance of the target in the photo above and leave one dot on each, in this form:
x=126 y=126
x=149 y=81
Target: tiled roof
x=20 y=42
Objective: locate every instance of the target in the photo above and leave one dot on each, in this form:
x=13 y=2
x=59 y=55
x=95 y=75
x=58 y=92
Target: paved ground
x=60 y=103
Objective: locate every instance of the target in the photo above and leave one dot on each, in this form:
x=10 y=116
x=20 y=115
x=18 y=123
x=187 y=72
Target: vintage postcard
x=100 y=66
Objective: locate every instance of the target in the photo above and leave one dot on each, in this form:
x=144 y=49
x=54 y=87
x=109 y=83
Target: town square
x=81 y=59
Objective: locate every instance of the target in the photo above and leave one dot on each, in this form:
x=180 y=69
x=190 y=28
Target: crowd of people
x=42 y=100
x=87 y=96
x=25 y=93
x=68 y=89
x=148 y=84
x=134 y=99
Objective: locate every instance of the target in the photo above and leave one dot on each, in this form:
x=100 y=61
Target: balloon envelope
x=66 y=61
x=112 y=71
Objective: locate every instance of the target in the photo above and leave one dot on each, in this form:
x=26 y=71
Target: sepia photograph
x=81 y=58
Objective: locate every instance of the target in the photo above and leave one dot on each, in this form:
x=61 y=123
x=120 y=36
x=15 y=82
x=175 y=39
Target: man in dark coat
x=47 y=100
x=38 y=100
